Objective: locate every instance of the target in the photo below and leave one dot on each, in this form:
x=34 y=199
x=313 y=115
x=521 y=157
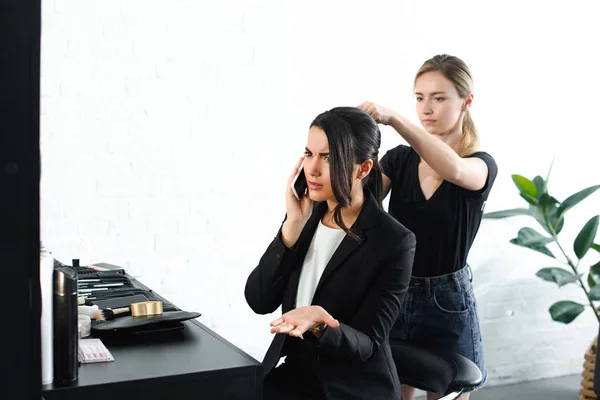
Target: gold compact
x=146 y=308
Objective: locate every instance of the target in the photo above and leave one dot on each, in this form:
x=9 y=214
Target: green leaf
x=565 y=311
x=540 y=185
x=549 y=205
x=586 y=236
x=574 y=199
x=596 y=247
x=529 y=198
x=541 y=248
x=557 y=224
x=527 y=188
x=594 y=275
x=557 y=275
x=594 y=293
x=530 y=238
x=513 y=212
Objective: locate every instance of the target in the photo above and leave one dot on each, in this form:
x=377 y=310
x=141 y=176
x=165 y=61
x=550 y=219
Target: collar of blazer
x=365 y=221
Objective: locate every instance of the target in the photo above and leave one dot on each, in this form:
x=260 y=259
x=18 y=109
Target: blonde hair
x=455 y=70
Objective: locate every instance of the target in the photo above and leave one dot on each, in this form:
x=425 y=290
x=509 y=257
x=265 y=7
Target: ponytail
x=469 y=142
x=375 y=181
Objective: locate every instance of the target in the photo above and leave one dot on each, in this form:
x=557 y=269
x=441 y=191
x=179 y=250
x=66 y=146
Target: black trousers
x=292 y=381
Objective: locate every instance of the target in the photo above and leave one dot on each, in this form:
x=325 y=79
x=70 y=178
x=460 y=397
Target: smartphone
x=299 y=185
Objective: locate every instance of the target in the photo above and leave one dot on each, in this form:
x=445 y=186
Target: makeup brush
x=109 y=314
x=140 y=309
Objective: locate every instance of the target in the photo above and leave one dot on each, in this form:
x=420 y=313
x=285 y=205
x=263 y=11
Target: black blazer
x=362 y=286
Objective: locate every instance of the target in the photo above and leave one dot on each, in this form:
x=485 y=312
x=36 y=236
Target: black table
x=193 y=363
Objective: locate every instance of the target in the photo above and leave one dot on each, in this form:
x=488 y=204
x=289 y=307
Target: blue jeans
x=441 y=313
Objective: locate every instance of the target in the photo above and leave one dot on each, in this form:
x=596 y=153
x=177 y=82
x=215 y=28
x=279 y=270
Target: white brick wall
x=169 y=130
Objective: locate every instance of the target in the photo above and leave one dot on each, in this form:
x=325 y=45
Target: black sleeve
x=362 y=338
x=392 y=161
x=492 y=173
x=267 y=283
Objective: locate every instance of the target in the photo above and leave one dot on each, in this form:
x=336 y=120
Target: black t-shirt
x=446 y=224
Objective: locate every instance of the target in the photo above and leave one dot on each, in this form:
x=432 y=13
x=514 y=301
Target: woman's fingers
x=295 y=171
x=296 y=322
x=330 y=321
x=364 y=105
x=300 y=329
x=283 y=328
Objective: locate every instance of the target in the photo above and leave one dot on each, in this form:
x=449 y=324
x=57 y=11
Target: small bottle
x=66 y=332
x=47 y=319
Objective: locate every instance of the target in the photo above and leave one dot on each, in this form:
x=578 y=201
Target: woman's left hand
x=299 y=320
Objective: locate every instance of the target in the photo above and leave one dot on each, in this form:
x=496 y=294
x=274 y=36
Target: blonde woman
x=439 y=186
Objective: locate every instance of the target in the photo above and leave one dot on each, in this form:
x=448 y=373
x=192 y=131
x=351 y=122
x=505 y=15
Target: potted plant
x=550 y=214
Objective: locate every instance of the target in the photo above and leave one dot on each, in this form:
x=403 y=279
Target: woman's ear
x=364 y=169
x=468 y=102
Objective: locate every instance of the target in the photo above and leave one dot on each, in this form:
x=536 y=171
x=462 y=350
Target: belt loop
x=456 y=282
x=470 y=273
x=427 y=287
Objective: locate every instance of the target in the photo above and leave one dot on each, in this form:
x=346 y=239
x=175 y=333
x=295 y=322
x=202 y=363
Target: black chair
x=446 y=373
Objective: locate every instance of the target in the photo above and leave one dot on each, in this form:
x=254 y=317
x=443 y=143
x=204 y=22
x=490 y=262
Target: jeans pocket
x=451 y=302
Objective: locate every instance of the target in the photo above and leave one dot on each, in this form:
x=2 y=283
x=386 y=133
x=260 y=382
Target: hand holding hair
x=381 y=115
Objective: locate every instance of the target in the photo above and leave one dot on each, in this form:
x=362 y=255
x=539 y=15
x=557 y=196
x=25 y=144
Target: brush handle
x=110 y=314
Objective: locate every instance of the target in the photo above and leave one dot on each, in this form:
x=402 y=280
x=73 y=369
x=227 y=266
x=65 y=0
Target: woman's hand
x=381 y=115
x=299 y=320
x=298 y=211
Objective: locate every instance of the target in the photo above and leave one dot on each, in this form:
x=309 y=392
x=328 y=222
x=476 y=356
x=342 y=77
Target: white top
x=324 y=243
